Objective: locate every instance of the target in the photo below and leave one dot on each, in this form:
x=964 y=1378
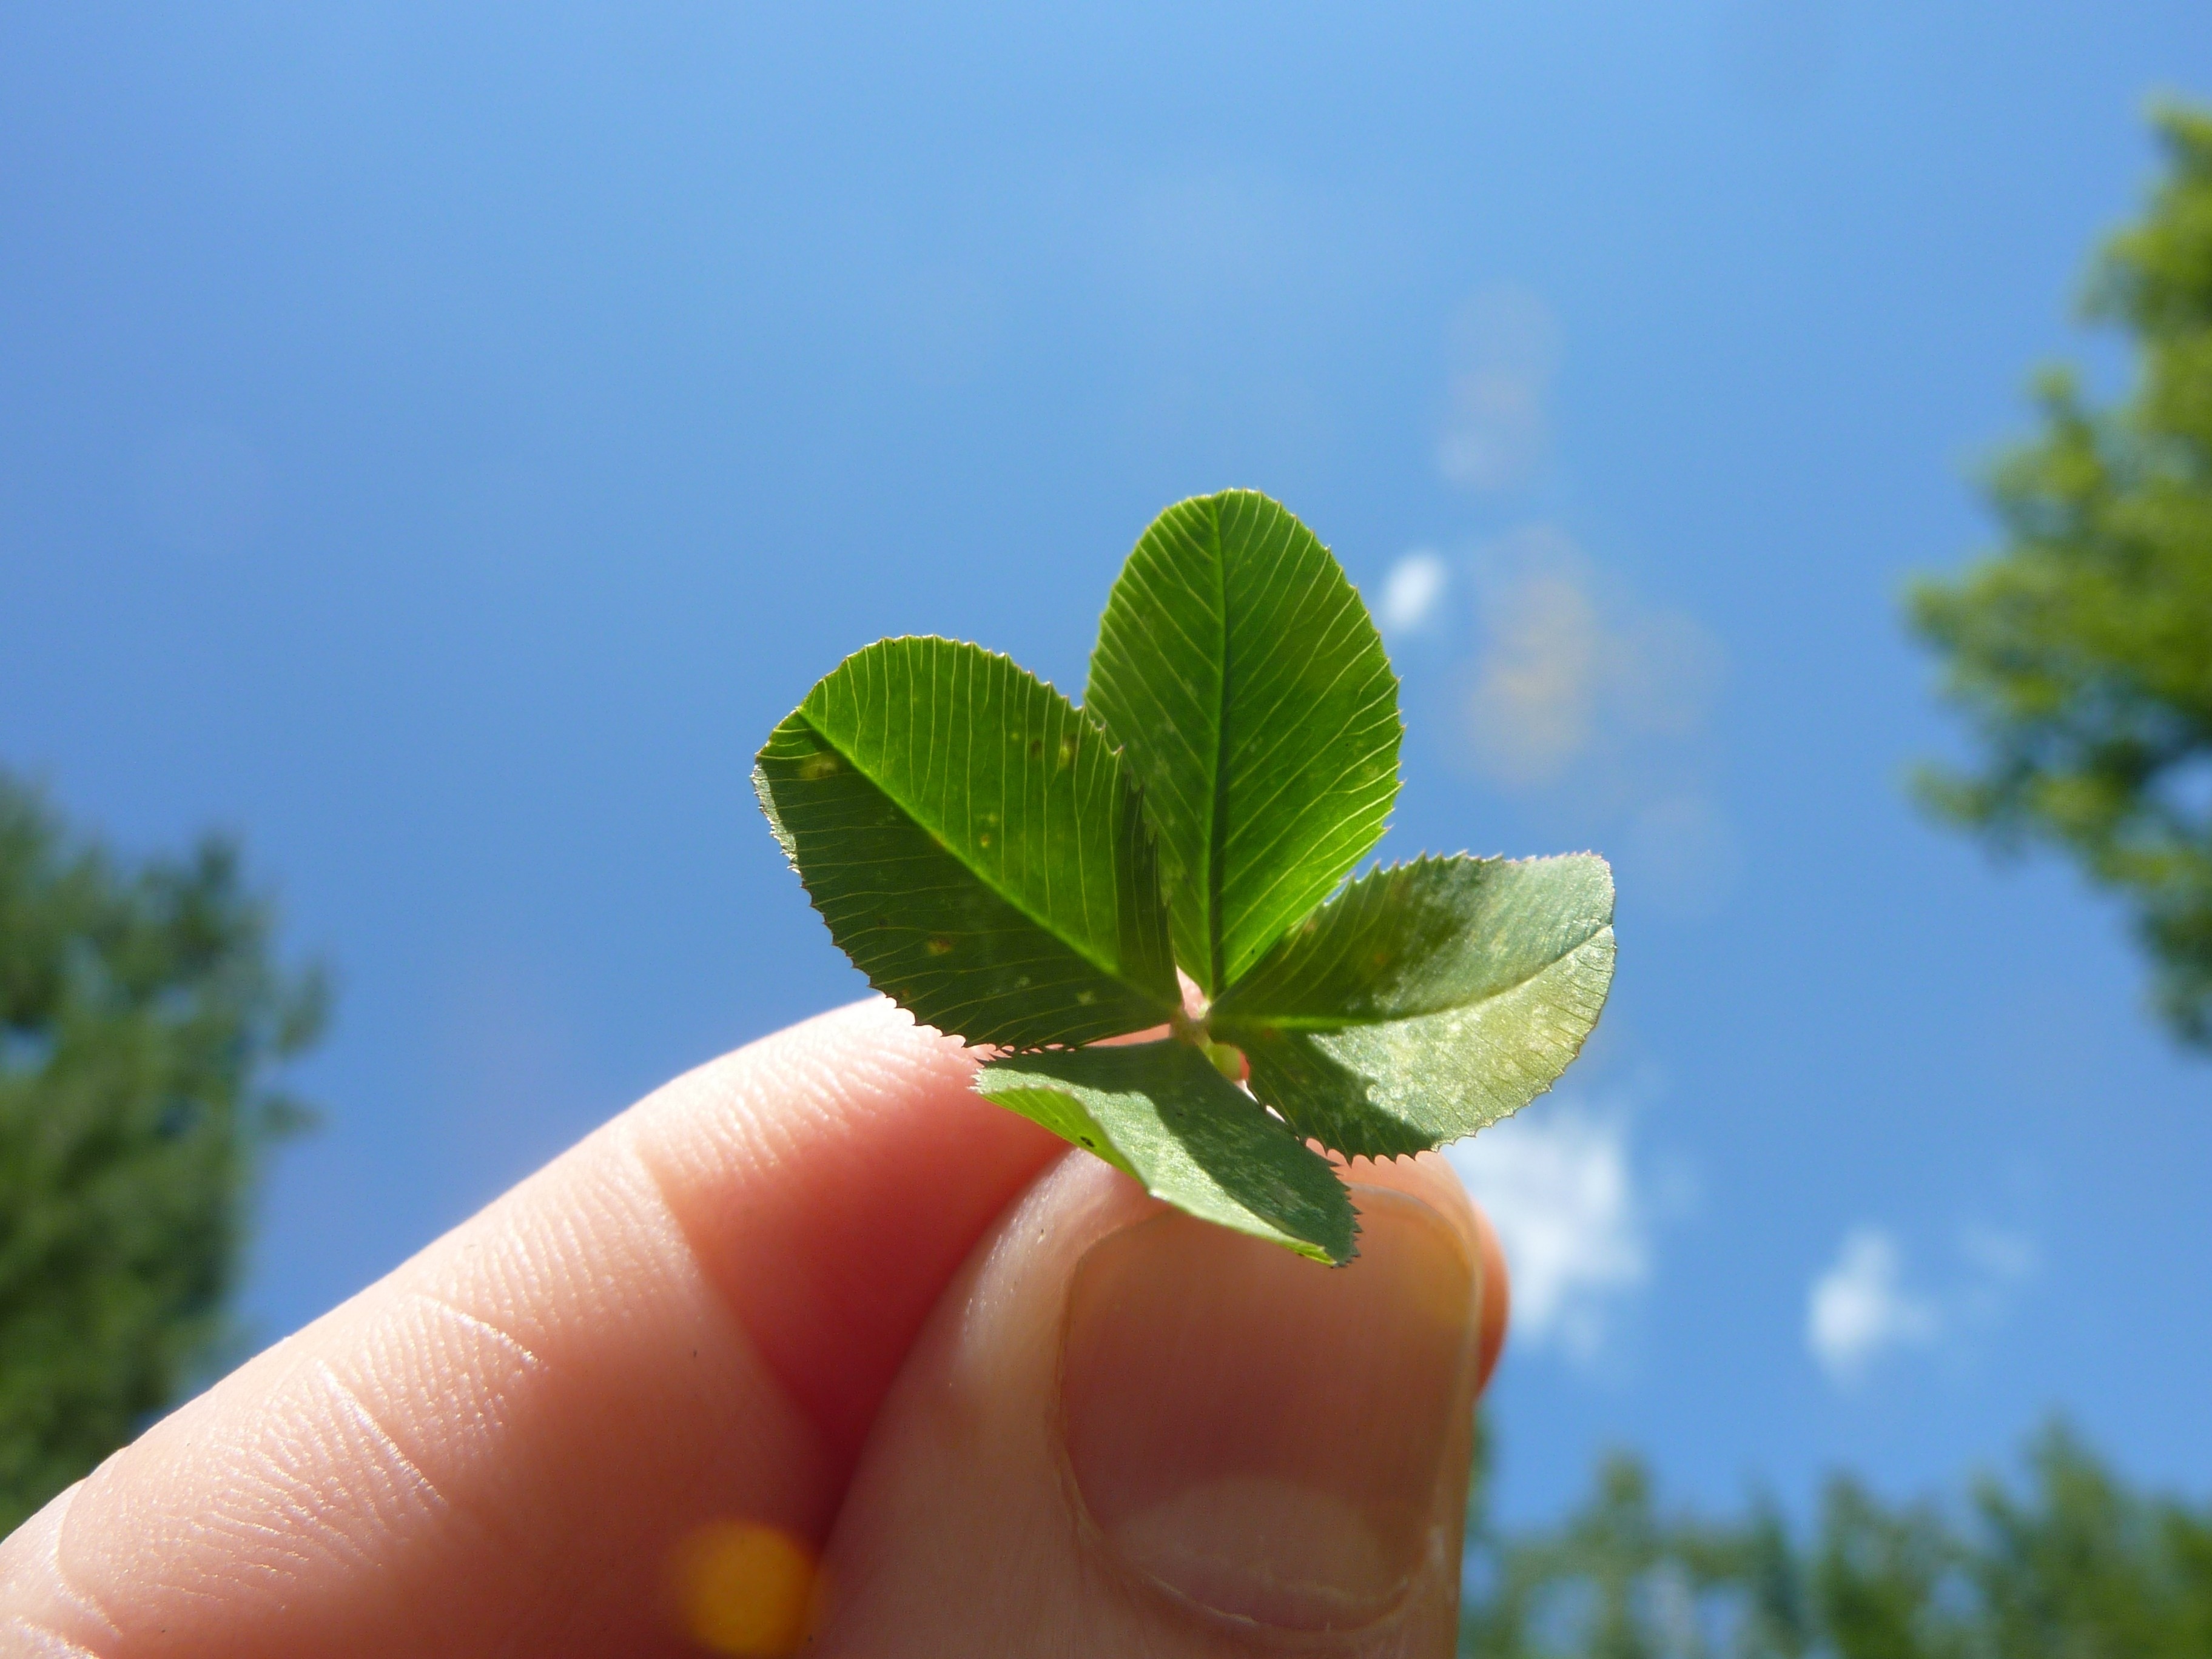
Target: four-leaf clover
x=1028 y=875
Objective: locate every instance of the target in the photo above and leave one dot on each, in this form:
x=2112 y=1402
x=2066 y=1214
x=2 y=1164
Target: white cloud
x=1533 y=711
x=1997 y=1255
x=1573 y=673
x=1557 y=1184
x=1580 y=693
x=1860 y=1308
x=1999 y=1264
x=1504 y=350
x=1684 y=848
x=1412 y=591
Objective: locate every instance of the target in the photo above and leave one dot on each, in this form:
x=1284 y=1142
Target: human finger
x=1127 y=1431
x=684 y=1322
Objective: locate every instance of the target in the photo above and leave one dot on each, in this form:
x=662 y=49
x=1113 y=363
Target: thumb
x=1125 y=1431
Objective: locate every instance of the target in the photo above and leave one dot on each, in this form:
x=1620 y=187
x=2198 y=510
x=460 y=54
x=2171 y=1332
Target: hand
x=814 y=1345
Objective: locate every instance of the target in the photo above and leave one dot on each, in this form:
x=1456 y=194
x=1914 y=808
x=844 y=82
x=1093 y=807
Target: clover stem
x=1190 y=1028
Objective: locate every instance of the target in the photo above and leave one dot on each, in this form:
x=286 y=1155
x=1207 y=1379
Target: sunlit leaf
x=1242 y=675
x=1427 y=999
x=1161 y=1112
x=974 y=844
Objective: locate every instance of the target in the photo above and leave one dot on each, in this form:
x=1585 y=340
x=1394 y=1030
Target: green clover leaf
x=1242 y=675
x=1426 y=1001
x=1028 y=875
x=1161 y=1112
x=975 y=845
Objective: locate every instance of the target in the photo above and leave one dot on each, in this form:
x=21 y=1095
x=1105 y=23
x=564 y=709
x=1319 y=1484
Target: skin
x=813 y=1290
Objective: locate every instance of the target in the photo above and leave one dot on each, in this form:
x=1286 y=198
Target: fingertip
x=1497 y=1300
x=1130 y=1430
x=829 y=1179
x=1429 y=1177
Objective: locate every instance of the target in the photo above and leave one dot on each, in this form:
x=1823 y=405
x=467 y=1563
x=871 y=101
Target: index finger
x=689 y=1318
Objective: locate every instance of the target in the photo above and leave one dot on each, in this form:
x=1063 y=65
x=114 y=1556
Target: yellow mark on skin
x=745 y=1588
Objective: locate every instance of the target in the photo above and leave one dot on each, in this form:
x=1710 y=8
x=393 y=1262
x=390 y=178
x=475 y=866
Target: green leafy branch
x=1030 y=876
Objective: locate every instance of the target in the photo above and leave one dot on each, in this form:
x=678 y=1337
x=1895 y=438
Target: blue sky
x=439 y=442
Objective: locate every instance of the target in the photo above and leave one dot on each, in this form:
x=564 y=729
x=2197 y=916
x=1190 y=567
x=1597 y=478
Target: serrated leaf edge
x=1128 y=781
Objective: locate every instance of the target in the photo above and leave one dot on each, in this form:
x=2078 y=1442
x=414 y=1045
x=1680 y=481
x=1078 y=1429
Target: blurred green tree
x=2082 y=649
x=140 y=1015
x=2069 y=1565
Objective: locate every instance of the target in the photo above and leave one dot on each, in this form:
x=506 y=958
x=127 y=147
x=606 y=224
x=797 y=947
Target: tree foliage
x=2068 y=1564
x=2081 y=649
x=140 y=1015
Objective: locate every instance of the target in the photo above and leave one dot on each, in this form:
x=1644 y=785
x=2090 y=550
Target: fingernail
x=1266 y=1437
